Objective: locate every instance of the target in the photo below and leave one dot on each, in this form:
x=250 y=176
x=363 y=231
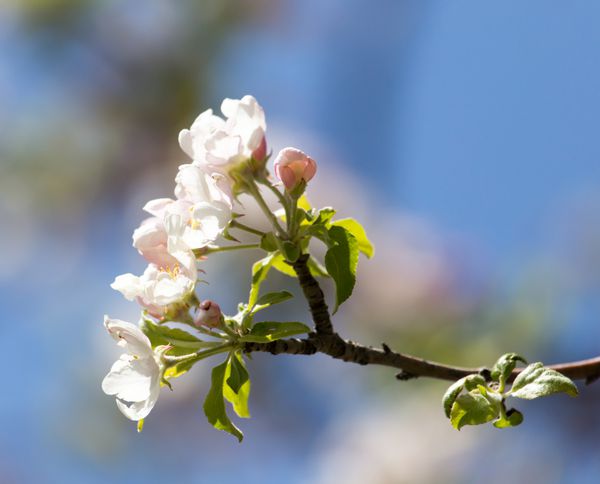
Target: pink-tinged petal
x=293 y=166
x=260 y=153
x=157 y=206
x=287 y=176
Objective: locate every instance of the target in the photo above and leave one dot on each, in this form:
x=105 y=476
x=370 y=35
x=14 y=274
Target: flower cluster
x=228 y=157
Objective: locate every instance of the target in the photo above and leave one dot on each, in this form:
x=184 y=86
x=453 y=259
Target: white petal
x=139 y=410
x=157 y=206
x=168 y=290
x=131 y=379
x=128 y=285
x=129 y=336
x=186 y=142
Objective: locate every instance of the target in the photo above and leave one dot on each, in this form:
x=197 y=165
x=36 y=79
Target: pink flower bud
x=292 y=166
x=208 y=314
x=260 y=153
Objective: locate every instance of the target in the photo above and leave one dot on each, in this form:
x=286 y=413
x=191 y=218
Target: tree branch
x=325 y=340
x=314 y=295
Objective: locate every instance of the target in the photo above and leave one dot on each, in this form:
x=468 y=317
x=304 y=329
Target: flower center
x=173 y=272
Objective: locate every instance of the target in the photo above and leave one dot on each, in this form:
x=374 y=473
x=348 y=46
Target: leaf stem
x=238 y=225
x=228 y=248
x=255 y=192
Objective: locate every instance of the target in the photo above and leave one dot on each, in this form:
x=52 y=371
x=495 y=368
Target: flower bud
x=260 y=153
x=293 y=167
x=208 y=314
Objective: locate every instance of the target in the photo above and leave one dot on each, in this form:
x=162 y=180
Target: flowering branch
x=229 y=158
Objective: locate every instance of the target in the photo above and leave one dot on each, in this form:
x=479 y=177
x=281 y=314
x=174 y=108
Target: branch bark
x=325 y=340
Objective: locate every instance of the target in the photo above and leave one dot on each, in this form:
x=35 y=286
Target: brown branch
x=314 y=295
x=410 y=366
x=325 y=340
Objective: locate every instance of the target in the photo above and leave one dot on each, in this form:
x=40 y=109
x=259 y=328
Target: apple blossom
x=160 y=286
x=134 y=379
x=217 y=145
x=293 y=166
x=150 y=239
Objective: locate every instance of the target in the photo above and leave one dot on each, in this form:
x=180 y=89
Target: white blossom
x=160 y=286
x=217 y=144
x=134 y=379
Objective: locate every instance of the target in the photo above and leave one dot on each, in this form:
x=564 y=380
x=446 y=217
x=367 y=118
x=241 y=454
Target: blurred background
x=464 y=135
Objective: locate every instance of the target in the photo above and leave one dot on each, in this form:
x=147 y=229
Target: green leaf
x=268 y=331
x=271 y=298
x=315 y=267
x=260 y=269
x=163 y=335
x=356 y=229
x=290 y=251
x=179 y=369
x=268 y=242
x=282 y=266
x=341 y=261
x=538 y=381
x=303 y=203
x=504 y=367
x=214 y=405
x=513 y=418
x=237 y=385
x=471 y=409
x=324 y=216
x=469 y=382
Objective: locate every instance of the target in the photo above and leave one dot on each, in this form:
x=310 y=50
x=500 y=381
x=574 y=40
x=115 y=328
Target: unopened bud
x=293 y=167
x=208 y=314
x=260 y=153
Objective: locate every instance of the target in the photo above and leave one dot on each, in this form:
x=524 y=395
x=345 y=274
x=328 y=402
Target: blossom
x=203 y=202
x=293 y=166
x=150 y=239
x=160 y=286
x=208 y=202
x=208 y=314
x=134 y=379
x=217 y=144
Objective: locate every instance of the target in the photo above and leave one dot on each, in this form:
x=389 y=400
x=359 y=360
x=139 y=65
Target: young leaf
x=179 y=369
x=471 y=409
x=282 y=266
x=324 y=216
x=469 y=383
x=504 y=367
x=260 y=269
x=214 y=405
x=512 y=419
x=356 y=229
x=271 y=298
x=316 y=269
x=163 y=335
x=538 y=381
x=290 y=251
x=303 y=203
x=237 y=385
x=341 y=261
x=268 y=331
x=268 y=242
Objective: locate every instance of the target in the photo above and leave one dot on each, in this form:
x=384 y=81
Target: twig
x=325 y=340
